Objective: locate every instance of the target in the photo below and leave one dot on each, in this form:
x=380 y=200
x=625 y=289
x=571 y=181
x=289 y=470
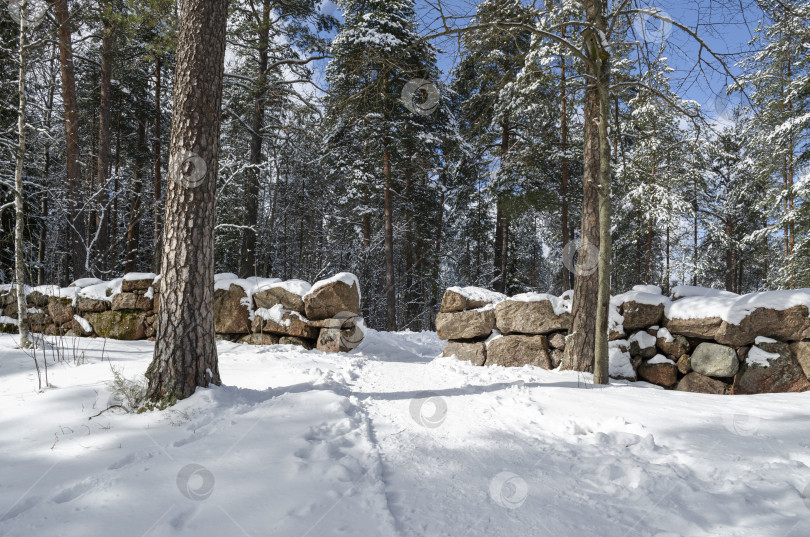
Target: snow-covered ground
x=391 y=440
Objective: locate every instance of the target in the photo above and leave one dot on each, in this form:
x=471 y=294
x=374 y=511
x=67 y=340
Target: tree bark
x=601 y=367
x=581 y=347
x=104 y=133
x=158 y=179
x=390 y=289
x=133 y=229
x=248 y=255
x=564 y=231
x=185 y=349
x=19 y=207
x=76 y=219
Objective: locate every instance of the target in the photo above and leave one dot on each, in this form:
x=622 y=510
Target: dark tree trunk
x=580 y=349
x=390 y=289
x=158 y=179
x=133 y=229
x=564 y=231
x=104 y=135
x=247 y=259
x=185 y=349
x=76 y=220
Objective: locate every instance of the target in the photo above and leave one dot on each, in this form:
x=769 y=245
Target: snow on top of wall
x=664 y=334
x=642 y=294
x=84 y=282
x=103 y=291
x=660 y=359
x=296 y=287
x=733 y=308
x=479 y=294
x=685 y=291
x=225 y=276
x=137 y=276
x=346 y=277
x=644 y=339
x=560 y=304
x=277 y=313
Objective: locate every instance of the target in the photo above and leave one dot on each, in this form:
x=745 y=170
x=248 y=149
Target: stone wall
x=698 y=340
x=264 y=311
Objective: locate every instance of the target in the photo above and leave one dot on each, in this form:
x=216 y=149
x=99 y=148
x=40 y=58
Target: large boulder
x=530 y=317
x=328 y=298
x=638 y=316
x=713 y=360
x=660 y=371
x=694 y=328
x=126 y=325
x=792 y=324
x=283 y=322
x=130 y=301
x=468 y=298
x=92 y=305
x=781 y=374
x=470 y=324
x=697 y=383
x=337 y=340
x=288 y=294
x=801 y=350
x=474 y=352
x=137 y=282
x=61 y=309
x=231 y=315
x=519 y=350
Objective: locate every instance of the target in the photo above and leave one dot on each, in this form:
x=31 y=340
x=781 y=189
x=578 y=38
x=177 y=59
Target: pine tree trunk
x=133 y=229
x=43 y=198
x=390 y=290
x=104 y=134
x=581 y=345
x=158 y=179
x=76 y=220
x=564 y=231
x=601 y=367
x=248 y=256
x=185 y=349
x=19 y=207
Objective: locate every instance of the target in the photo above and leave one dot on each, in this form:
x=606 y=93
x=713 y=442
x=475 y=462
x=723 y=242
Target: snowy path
x=300 y=443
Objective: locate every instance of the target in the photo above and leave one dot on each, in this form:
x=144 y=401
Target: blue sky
x=726 y=27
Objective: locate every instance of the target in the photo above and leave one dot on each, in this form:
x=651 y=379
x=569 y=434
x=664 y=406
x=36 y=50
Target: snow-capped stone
x=137 y=281
x=467 y=298
x=331 y=297
x=289 y=294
